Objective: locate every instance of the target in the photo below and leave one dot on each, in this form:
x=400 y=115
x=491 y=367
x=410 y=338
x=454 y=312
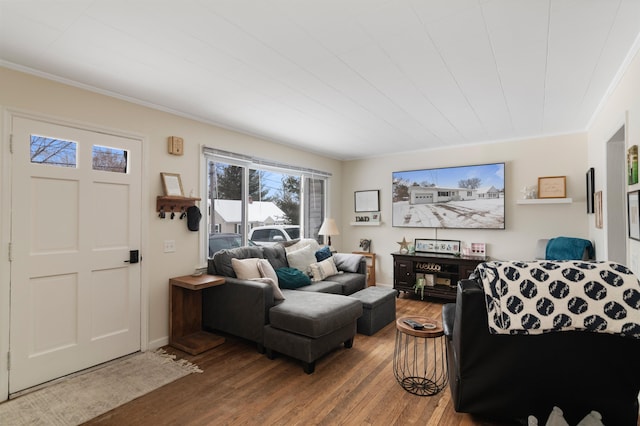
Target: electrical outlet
x=169 y=246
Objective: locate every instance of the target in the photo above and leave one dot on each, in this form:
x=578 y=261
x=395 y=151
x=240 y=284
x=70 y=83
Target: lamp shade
x=329 y=227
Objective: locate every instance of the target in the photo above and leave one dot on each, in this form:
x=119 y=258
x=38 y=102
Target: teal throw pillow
x=292 y=278
x=323 y=254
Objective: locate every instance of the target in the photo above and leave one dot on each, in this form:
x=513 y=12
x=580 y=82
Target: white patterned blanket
x=542 y=296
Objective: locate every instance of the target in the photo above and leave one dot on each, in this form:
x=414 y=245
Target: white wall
x=19 y=91
x=622 y=108
x=526 y=160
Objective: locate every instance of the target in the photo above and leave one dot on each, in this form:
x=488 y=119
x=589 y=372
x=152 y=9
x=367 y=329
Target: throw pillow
x=292 y=278
x=323 y=253
x=246 y=269
x=347 y=262
x=324 y=269
x=305 y=242
x=267 y=271
x=301 y=259
x=277 y=293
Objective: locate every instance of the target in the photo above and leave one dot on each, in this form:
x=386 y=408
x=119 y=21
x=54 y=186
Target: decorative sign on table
x=437 y=246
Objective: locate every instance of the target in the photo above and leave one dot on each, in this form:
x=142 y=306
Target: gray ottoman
x=379 y=308
x=307 y=325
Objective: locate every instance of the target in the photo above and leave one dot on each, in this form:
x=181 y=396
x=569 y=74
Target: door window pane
x=53 y=152
x=109 y=159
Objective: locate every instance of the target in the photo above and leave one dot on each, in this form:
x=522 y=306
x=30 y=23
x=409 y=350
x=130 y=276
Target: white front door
x=75 y=298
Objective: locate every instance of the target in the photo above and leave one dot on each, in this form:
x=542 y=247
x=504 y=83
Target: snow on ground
x=453 y=214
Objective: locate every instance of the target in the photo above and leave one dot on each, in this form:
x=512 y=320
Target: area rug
x=77 y=399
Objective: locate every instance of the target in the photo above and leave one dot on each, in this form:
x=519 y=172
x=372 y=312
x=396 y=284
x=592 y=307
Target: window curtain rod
x=260 y=161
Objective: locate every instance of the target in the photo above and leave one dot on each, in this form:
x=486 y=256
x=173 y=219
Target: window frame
x=253 y=163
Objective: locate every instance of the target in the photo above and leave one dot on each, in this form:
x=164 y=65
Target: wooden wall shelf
x=172 y=202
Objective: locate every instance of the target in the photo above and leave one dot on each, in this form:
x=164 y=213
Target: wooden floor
x=241 y=386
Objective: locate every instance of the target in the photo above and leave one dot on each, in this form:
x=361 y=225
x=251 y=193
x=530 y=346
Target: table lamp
x=329 y=228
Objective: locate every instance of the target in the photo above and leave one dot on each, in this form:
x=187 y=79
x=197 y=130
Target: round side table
x=420 y=357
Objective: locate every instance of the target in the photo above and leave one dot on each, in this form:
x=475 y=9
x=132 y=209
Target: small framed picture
x=172 y=184
x=633 y=214
x=552 y=187
x=367 y=201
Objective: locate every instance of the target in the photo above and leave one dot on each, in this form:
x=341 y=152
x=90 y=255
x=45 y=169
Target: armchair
x=509 y=377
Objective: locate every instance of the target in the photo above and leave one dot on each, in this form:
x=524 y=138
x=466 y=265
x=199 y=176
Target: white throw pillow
x=246 y=269
x=324 y=269
x=267 y=271
x=305 y=242
x=277 y=293
x=302 y=259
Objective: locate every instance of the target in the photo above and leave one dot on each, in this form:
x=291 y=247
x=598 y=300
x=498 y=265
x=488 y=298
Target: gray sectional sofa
x=308 y=323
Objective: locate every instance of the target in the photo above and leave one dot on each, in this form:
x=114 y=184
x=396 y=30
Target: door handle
x=134 y=256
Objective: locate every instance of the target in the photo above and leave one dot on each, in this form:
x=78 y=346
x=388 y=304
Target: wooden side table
x=420 y=357
x=371 y=267
x=185 y=314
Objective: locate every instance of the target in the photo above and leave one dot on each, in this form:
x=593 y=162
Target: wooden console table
x=444 y=270
x=371 y=267
x=185 y=313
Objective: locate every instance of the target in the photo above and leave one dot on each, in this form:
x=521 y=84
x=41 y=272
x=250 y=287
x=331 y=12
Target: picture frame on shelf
x=365 y=244
x=552 y=187
x=172 y=184
x=367 y=201
x=590 y=190
x=633 y=214
x=429 y=280
x=437 y=246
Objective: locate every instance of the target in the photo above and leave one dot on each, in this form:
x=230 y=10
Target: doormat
x=80 y=398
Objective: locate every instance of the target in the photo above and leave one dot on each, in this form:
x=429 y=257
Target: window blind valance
x=221 y=154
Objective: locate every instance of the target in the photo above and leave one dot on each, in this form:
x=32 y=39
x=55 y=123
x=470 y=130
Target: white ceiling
x=344 y=78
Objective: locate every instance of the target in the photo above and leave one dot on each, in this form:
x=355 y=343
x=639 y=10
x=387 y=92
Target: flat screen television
x=469 y=197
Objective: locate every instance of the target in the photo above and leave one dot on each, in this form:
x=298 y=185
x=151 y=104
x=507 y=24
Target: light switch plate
x=176 y=145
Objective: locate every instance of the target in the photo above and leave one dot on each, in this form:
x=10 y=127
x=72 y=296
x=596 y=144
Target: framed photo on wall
x=590 y=190
x=633 y=214
x=367 y=201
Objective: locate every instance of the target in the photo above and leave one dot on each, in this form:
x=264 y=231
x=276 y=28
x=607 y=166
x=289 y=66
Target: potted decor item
x=419 y=287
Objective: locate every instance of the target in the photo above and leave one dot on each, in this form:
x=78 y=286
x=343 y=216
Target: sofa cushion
x=246 y=269
x=322 y=270
x=301 y=259
x=276 y=255
x=267 y=271
x=277 y=293
x=323 y=287
x=292 y=278
x=323 y=253
x=350 y=281
x=314 y=314
x=347 y=262
x=222 y=259
x=304 y=242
